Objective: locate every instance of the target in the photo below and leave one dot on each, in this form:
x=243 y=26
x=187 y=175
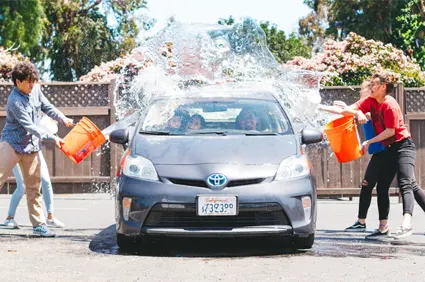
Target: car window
x=183 y=116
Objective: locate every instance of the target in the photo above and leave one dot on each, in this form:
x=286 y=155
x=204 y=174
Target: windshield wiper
x=261 y=134
x=154 y=132
x=207 y=132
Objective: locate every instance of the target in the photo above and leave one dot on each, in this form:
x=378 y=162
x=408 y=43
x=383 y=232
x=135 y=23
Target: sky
x=284 y=13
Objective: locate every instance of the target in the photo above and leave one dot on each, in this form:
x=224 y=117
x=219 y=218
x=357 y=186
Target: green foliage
x=21 y=26
x=229 y=21
x=400 y=22
x=411 y=30
x=123 y=10
x=282 y=47
x=79 y=39
x=73 y=35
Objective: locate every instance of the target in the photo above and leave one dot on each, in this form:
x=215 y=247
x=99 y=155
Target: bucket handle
x=88 y=129
x=351 y=127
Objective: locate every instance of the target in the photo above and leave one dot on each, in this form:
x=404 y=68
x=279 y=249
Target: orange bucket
x=82 y=140
x=344 y=139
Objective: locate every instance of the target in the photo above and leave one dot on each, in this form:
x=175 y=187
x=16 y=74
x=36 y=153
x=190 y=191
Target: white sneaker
x=11 y=223
x=55 y=223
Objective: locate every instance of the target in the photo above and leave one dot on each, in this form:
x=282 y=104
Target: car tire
x=304 y=242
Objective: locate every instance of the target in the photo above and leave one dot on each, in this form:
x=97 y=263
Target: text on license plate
x=217 y=205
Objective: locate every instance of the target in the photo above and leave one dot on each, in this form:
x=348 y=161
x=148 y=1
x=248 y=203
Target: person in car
x=196 y=122
x=247 y=119
x=175 y=123
x=178 y=121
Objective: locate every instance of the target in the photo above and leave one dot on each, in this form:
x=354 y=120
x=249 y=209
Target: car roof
x=228 y=90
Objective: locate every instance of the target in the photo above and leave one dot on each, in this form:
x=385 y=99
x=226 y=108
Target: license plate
x=217 y=205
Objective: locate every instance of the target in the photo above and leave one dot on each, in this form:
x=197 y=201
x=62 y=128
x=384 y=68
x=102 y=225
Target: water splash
x=182 y=57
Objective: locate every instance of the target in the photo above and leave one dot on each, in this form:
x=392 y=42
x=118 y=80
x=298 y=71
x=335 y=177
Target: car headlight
x=140 y=168
x=293 y=167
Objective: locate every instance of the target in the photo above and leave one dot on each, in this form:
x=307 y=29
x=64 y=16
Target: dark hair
x=239 y=117
x=201 y=119
x=385 y=79
x=184 y=115
x=23 y=71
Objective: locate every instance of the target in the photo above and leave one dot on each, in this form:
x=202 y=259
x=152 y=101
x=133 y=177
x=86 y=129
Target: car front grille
x=167 y=216
x=202 y=183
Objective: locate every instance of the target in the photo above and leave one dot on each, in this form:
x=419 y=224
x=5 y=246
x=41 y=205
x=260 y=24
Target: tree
x=410 y=34
x=21 y=26
x=313 y=26
x=399 y=22
x=282 y=47
x=370 y=18
x=123 y=11
x=78 y=36
x=73 y=35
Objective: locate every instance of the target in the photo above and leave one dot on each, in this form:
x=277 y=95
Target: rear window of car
x=189 y=116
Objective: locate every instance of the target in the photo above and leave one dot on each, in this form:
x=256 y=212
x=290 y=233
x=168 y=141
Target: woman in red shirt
x=400 y=152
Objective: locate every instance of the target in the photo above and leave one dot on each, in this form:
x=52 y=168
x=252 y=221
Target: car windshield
x=222 y=116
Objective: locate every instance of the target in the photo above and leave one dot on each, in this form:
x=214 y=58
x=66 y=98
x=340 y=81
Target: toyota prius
x=215 y=162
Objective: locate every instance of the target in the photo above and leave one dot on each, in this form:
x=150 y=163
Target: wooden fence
x=75 y=100
x=96 y=173
x=338 y=179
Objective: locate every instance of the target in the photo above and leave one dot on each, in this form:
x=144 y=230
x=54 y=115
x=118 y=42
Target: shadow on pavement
x=105 y=242
x=329 y=243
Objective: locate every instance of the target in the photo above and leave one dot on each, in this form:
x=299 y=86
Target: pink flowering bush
x=7 y=62
x=105 y=72
x=351 y=61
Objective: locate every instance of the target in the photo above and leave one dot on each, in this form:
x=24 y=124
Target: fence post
x=113 y=149
x=400 y=98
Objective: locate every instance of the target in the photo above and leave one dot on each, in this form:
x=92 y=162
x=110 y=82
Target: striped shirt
x=23 y=113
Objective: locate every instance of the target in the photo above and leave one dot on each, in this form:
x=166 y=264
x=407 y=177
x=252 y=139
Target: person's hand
x=361 y=118
x=340 y=104
x=58 y=142
x=365 y=146
x=368 y=116
x=68 y=122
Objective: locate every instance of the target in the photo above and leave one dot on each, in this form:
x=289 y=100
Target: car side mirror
x=119 y=136
x=310 y=136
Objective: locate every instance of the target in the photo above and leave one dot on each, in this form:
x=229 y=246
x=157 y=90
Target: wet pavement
x=328 y=243
x=89 y=241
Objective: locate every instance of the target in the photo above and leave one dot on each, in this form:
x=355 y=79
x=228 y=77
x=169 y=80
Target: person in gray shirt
x=21 y=138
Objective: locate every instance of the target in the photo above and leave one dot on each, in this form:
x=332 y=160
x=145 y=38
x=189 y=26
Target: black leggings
x=379 y=171
x=403 y=156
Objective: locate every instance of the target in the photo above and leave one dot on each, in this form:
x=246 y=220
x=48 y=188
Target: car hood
x=186 y=150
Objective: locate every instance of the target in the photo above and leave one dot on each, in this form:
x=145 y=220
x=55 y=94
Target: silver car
x=215 y=162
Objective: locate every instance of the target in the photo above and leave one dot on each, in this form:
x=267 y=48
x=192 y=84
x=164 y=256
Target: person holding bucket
x=400 y=152
x=46 y=185
x=21 y=138
x=374 y=172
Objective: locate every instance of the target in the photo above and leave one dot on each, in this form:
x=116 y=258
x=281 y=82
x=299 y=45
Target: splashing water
x=184 y=56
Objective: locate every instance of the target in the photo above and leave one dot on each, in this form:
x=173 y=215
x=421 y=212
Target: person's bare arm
x=330 y=109
x=353 y=110
x=387 y=133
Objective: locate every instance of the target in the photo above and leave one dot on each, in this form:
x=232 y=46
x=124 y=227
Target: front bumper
x=272 y=208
